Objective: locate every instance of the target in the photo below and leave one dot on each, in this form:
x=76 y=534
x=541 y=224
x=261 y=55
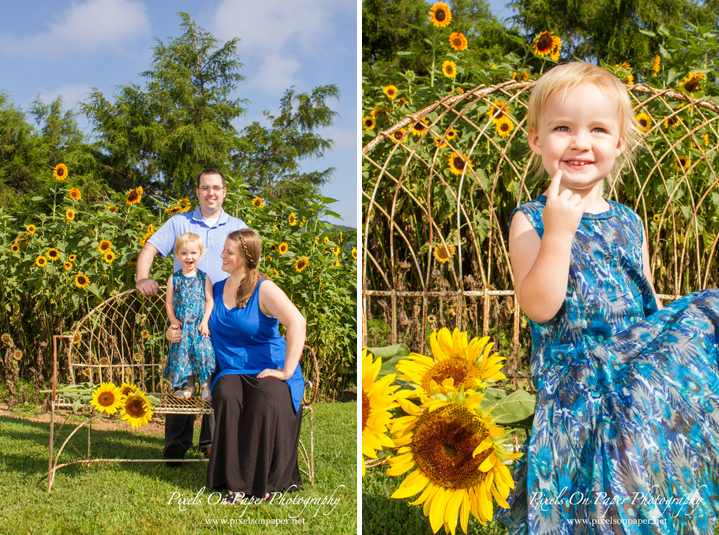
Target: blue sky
x=61 y=47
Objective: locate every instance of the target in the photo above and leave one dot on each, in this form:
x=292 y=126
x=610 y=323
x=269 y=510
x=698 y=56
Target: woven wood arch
x=414 y=205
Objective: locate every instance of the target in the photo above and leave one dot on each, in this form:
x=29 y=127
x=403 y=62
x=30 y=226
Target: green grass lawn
x=132 y=498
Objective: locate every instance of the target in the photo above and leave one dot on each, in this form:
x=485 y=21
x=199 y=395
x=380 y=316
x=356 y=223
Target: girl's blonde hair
x=558 y=81
x=250 y=250
x=189 y=237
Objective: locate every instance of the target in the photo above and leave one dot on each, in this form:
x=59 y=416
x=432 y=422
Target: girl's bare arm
x=209 y=305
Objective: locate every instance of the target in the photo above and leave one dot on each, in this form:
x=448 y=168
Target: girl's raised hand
x=563 y=211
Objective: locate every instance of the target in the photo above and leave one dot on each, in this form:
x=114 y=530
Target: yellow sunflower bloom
x=390 y=91
x=443 y=253
x=75 y=194
x=691 y=81
x=41 y=261
x=126 y=389
x=420 y=127
x=283 y=248
x=109 y=257
x=369 y=122
x=106 y=398
x=70 y=214
x=112 y=209
x=644 y=122
x=458 y=457
x=336 y=250
x=504 y=126
x=105 y=245
x=135 y=196
x=354 y=253
x=398 y=135
x=377 y=400
x=440 y=15
x=15 y=248
x=275 y=272
x=497 y=110
x=31 y=229
x=258 y=202
x=449 y=69
x=292 y=219
x=136 y=409
x=53 y=254
x=172 y=210
x=81 y=281
x=301 y=264
x=656 y=218
x=60 y=171
x=458 y=41
x=556 y=49
x=337 y=263
x=326 y=240
x=544 y=44
x=458 y=163
x=67 y=266
x=455 y=364
x=682 y=163
x=451 y=134
x=72 y=258
x=656 y=65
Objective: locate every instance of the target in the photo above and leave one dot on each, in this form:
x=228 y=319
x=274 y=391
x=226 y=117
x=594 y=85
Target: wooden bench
x=123 y=340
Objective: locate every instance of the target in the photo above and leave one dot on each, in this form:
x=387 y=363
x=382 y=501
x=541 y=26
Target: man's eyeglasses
x=216 y=189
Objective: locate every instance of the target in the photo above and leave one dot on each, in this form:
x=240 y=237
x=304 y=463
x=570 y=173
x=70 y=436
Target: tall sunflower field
x=80 y=247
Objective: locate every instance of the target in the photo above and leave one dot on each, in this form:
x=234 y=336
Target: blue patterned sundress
x=194 y=355
x=626 y=431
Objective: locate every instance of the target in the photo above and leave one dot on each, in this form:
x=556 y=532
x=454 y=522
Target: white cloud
x=84 y=28
x=71 y=94
x=275 y=72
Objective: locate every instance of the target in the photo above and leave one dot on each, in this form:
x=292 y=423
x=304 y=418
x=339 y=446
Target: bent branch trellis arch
x=444 y=181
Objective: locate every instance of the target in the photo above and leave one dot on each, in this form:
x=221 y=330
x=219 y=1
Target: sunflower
x=75 y=194
x=691 y=81
x=326 y=240
x=459 y=460
x=682 y=163
x=644 y=122
x=126 y=389
x=440 y=15
x=41 y=261
x=354 y=253
x=67 y=266
x=656 y=218
x=390 y=91
x=136 y=410
x=459 y=90
x=81 y=281
x=53 y=254
x=451 y=134
x=369 y=122
x=458 y=41
x=337 y=263
x=106 y=398
x=377 y=400
x=105 y=245
x=70 y=214
x=31 y=229
x=630 y=79
x=283 y=248
x=72 y=258
x=420 y=127
x=656 y=65
x=439 y=143
x=458 y=163
x=135 y=196
x=443 y=253
x=336 y=250
x=556 y=49
x=544 y=44
x=672 y=122
x=172 y=210
x=301 y=264
x=705 y=137
x=112 y=209
x=109 y=257
x=17 y=355
x=449 y=69
x=398 y=135
x=275 y=272
x=6 y=339
x=60 y=171
x=401 y=101
x=15 y=248
x=454 y=364
x=292 y=219
x=504 y=126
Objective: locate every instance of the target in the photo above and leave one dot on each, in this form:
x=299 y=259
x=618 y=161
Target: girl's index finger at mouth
x=553 y=189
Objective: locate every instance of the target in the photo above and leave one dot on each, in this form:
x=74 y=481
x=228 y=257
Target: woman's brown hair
x=250 y=249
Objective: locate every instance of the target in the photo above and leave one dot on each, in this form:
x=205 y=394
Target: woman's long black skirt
x=254 y=448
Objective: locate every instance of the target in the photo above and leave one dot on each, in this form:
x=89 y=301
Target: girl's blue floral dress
x=194 y=355
x=626 y=432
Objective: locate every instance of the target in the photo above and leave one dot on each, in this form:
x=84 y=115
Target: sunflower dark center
x=60 y=172
x=440 y=15
x=460 y=369
x=504 y=127
x=692 y=83
x=457 y=42
x=458 y=163
x=442 y=252
x=419 y=126
x=135 y=407
x=643 y=122
x=106 y=399
x=442 y=445
x=450 y=69
x=365 y=409
x=544 y=42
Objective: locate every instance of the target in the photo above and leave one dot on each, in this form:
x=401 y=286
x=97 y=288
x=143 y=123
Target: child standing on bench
x=625 y=436
x=189 y=304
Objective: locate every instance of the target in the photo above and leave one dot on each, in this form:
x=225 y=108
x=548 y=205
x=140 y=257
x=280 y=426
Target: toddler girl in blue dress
x=625 y=437
x=189 y=304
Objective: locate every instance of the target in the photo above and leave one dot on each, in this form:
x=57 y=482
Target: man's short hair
x=209 y=171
